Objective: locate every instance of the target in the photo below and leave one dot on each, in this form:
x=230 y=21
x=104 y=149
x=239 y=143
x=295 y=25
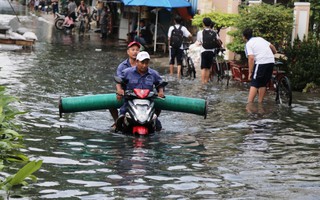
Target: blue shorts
x=261 y=75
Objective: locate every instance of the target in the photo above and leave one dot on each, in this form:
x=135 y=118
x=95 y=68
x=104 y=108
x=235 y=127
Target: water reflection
x=68 y=39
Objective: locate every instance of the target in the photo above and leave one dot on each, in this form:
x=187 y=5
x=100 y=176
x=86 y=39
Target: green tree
x=221 y=20
x=302 y=59
x=272 y=22
x=314 y=22
x=10 y=143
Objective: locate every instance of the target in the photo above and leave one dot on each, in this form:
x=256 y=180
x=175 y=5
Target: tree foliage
x=10 y=143
x=314 y=22
x=272 y=22
x=302 y=59
x=221 y=20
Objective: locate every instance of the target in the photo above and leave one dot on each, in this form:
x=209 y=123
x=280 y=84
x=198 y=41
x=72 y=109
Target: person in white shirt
x=260 y=54
x=177 y=52
x=208 y=48
x=36 y=5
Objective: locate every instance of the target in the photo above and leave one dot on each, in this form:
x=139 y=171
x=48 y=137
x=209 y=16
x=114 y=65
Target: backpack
x=209 y=38
x=176 y=37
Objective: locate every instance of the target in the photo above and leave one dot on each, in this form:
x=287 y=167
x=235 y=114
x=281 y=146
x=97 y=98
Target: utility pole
x=14 y=11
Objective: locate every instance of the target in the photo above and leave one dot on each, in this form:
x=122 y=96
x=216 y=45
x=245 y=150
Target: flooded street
x=263 y=152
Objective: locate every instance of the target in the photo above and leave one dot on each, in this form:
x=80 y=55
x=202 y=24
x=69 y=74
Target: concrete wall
x=301 y=20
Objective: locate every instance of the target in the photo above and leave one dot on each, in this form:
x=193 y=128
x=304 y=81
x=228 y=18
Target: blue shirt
x=136 y=80
x=124 y=65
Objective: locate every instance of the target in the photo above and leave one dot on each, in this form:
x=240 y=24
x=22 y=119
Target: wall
x=301 y=20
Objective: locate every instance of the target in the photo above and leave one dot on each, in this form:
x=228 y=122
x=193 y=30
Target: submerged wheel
x=213 y=70
x=191 y=67
x=59 y=24
x=225 y=72
x=184 y=68
x=284 y=92
x=218 y=71
x=81 y=27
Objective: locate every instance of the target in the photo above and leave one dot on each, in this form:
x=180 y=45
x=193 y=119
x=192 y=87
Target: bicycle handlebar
x=278 y=63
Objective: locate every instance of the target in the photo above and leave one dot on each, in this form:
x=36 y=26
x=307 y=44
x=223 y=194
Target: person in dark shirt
x=133 y=49
x=142 y=77
x=145 y=35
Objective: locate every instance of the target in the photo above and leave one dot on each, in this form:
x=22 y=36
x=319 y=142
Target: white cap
x=143 y=55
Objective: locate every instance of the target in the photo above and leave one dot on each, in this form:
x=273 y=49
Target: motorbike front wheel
x=59 y=24
x=185 y=71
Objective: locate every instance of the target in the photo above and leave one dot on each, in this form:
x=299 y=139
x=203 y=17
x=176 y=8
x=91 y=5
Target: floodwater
x=260 y=152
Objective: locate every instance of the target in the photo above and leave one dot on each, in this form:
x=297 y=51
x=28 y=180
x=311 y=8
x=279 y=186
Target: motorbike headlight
x=142 y=110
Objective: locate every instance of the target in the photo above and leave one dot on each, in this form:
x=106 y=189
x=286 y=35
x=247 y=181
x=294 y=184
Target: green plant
x=10 y=142
x=311 y=87
x=10 y=139
x=303 y=59
x=314 y=20
x=221 y=20
x=21 y=175
x=272 y=22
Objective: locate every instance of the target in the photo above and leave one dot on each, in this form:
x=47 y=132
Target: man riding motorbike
x=141 y=77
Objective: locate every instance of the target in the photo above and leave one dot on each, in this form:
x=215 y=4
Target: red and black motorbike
x=140 y=117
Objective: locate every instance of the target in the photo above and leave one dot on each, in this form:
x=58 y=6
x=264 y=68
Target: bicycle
x=220 y=67
x=84 y=23
x=187 y=67
x=281 y=84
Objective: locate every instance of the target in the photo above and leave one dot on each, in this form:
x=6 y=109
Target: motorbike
x=140 y=117
x=58 y=21
x=80 y=22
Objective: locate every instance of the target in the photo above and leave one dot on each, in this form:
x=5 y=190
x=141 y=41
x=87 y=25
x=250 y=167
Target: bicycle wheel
x=225 y=72
x=283 y=91
x=191 y=67
x=184 y=67
x=218 y=71
x=59 y=24
x=213 y=69
x=81 y=27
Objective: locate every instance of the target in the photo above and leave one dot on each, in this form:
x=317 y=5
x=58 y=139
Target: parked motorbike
x=58 y=21
x=140 y=117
